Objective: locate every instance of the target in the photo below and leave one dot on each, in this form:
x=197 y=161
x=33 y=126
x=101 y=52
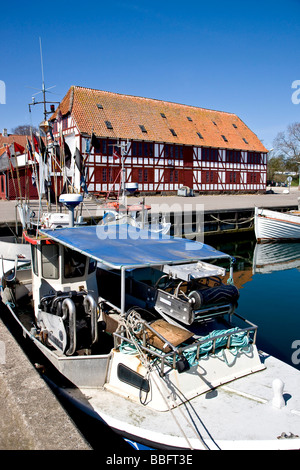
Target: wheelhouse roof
x=126 y=246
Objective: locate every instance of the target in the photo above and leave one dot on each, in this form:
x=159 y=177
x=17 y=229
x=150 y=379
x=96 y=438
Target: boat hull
x=211 y=412
x=226 y=418
x=272 y=225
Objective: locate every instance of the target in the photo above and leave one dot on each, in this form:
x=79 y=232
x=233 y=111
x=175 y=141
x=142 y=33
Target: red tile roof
x=92 y=108
x=18 y=139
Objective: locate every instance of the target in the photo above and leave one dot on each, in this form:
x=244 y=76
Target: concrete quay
x=31 y=417
x=211 y=203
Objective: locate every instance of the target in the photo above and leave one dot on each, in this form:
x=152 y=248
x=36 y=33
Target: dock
x=200 y=215
x=25 y=423
x=31 y=416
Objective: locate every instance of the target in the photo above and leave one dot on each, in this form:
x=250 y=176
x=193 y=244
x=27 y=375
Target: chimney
x=4 y=132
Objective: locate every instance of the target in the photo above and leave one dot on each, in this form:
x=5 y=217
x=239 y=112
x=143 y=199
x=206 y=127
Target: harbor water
x=268 y=276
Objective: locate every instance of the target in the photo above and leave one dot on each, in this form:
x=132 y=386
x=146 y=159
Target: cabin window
x=34 y=260
x=74 y=263
x=50 y=261
x=92 y=265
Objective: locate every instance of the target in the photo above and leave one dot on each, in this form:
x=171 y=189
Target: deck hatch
x=130 y=377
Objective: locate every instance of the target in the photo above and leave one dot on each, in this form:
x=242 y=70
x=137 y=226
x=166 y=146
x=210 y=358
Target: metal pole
x=123 y=272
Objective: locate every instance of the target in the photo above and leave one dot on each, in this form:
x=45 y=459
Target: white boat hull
x=272 y=225
x=241 y=403
x=201 y=423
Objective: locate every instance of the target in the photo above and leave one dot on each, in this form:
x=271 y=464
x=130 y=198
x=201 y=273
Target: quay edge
x=220 y=213
x=31 y=417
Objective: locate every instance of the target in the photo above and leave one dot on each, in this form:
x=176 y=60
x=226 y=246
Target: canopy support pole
x=123 y=271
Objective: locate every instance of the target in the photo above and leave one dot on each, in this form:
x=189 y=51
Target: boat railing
x=171 y=358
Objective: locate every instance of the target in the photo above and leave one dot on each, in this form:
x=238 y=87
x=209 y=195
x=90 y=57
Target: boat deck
x=225 y=418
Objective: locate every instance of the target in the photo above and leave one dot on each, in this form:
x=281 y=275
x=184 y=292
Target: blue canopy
x=126 y=246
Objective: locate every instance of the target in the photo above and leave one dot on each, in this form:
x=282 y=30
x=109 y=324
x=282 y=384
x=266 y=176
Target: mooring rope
x=234 y=222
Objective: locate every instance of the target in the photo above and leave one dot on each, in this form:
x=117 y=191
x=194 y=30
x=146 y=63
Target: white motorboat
x=13 y=250
x=273 y=225
x=146 y=332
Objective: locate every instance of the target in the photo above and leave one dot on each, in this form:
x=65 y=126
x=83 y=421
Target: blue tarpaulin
x=128 y=246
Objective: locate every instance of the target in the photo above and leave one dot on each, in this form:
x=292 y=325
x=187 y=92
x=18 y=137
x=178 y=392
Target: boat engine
x=68 y=321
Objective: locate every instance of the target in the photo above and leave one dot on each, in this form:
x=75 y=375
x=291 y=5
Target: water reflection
x=270 y=257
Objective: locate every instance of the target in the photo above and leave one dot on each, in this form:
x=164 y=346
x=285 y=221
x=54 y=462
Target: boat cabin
x=63 y=284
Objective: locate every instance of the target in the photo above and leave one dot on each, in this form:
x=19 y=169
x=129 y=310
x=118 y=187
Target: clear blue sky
x=235 y=56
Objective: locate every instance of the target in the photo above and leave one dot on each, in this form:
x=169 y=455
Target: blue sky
x=235 y=56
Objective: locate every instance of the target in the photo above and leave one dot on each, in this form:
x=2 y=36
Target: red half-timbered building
x=169 y=145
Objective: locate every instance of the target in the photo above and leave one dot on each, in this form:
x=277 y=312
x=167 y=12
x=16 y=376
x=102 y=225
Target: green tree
x=275 y=164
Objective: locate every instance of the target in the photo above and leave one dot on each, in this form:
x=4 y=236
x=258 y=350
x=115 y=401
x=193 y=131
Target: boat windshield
x=50 y=261
x=74 y=263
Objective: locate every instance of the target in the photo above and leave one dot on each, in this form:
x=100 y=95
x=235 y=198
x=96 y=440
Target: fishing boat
x=273 y=225
x=144 y=329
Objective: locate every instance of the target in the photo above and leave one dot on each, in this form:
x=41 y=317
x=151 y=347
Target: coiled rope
x=216 y=340
x=237 y=340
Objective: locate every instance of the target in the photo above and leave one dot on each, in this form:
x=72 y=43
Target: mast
x=43 y=82
x=44 y=126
